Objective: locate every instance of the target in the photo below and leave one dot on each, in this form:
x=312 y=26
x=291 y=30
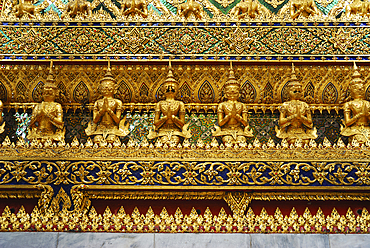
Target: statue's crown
x=50 y=81
x=170 y=77
x=293 y=80
x=108 y=75
x=356 y=76
x=231 y=80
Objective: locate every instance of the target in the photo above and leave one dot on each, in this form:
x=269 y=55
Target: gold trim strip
x=219 y=195
x=17 y=194
x=227 y=188
x=154 y=195
x=16 y=186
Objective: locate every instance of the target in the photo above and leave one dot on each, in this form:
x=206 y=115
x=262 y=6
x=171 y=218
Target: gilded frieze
x=256 y=41
x=182 y=173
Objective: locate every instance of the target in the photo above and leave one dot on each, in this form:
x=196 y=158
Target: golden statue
x=295 y=115
x=232 y=115
x=357 y=112
x=134 y=7
x=73 y=8
x=47 y=116
x=190 y=7
x=247 y=8
x=169 y=120
x=107 y=123
x=2 y=122
x=358 y=7
x=303 y=8
x=24 y=7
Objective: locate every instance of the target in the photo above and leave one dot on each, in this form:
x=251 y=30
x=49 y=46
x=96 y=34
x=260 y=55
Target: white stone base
x=164 y=240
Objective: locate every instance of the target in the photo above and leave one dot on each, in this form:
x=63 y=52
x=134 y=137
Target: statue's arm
x=145 y=9
x=314 y=8
x=244 y=119
x=180 y=121
x=57 y=117
x=307 y=119
x=35 y=115
x=283 y=119
x=347 y=116
x=222 y=119
x=158 y=121
x=97 y=114
x=235 y=11
x=116 y=116
x=293 y=12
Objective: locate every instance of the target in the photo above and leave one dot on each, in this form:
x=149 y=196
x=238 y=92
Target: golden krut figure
x=247 y=8
x=232 y=115
x=47 y=116
x=357 y=7
x=134 y=7
x=107 y=123
x=169 y=120
x=303 y=8
x=295 y=115
x=357 y=112
x=188 y=8
x=75 y=7
x=25 y=7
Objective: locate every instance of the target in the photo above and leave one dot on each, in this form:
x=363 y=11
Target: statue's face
x=232 y=92
x=107 y=88
x=357 y=90
x=295 y=91
x=170 y=89
x=49 y=92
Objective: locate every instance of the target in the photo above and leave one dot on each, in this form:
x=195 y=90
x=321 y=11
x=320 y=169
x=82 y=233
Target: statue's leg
x=98 y=138
x=241 y=139
x=228 y=139
x=305 y=141
x=291 y=140
x=198 y=15
x=359 y=137
x=175 y=139
x=164 y=139
x=111 y=138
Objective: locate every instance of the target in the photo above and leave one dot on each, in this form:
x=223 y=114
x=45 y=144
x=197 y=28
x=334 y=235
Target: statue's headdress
x=50 y=81
x=231 y=80
x=356 y=76
x=293 y=77
x=170 y=78
x=108 y=75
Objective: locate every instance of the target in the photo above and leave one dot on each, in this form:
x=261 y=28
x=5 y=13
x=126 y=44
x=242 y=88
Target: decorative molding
x=270 y=42
x=208 y=222
x=184 y=173
x=153 y=195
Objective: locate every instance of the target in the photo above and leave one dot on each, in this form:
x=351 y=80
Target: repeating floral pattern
x=185 y=173
x=196 y=40
x=186 y=221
